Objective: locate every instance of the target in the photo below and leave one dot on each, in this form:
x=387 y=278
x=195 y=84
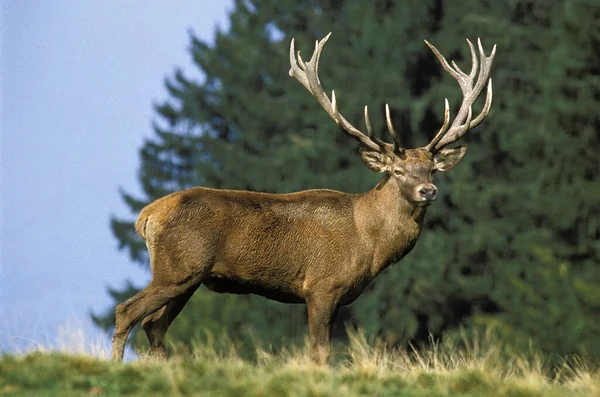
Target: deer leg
x=144 y=303
x=321 y=315
x=157 y=324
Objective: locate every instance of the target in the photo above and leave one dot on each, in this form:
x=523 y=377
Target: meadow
x=361 y=368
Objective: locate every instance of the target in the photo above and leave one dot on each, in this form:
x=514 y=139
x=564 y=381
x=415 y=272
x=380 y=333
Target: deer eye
x=398 y=172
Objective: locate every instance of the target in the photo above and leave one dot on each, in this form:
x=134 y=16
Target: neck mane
x=388 y=222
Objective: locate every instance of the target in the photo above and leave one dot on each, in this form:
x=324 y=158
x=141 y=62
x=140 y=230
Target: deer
x=315 y=247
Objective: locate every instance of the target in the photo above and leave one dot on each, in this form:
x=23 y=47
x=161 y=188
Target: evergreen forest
x=512 y=243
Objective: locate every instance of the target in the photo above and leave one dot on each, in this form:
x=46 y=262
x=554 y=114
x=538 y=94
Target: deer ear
x=376 y=161
x=448 y=158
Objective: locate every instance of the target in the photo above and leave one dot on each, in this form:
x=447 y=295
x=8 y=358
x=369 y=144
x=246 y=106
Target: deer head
x=411 y=169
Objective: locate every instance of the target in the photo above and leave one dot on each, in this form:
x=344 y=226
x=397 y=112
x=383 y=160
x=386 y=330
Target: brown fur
x=317 y=247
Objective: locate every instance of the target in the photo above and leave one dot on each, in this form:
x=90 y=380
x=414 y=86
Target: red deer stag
x=318 y=247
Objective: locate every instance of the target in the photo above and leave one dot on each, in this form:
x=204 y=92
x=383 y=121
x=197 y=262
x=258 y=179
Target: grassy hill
x=362 y=370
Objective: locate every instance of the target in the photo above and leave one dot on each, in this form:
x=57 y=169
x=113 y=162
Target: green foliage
x=523 y=206
x=513 y=240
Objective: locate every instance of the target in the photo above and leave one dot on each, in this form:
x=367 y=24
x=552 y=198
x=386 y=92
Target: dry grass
x=468 y=363
x=72 y=337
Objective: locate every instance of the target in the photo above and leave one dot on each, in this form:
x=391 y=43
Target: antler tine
x=370 y=129
x=442 y=60
x=307 y=75
x=486 y=107
x=474 y=60
x=391 y=129
x=431 y=145
x=471 y=89
x=368 y=123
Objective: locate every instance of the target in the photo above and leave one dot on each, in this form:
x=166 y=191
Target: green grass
x=361 y=370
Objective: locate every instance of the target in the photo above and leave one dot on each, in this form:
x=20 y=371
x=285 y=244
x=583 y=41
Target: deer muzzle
x=425 y=193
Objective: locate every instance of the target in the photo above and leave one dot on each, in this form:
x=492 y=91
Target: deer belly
x=233 y=285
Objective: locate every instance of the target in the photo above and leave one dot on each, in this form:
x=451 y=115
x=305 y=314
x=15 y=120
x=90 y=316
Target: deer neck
x=389 y=223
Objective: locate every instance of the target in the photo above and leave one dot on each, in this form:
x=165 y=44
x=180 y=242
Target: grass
x=361 y=369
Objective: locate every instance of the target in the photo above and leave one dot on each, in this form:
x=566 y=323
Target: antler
x=308 y=74
x=470 y=91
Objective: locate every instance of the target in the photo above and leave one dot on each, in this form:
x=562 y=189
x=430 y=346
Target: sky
x=78 y=80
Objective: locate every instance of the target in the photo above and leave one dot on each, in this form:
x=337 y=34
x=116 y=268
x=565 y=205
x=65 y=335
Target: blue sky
x=78 y=80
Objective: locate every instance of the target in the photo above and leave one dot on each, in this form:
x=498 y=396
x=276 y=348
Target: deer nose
x=427 y=192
